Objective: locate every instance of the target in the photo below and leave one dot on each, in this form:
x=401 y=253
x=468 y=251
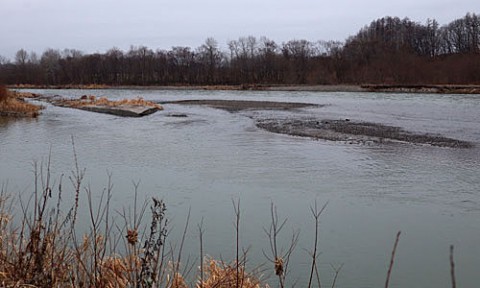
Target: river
x=212 y=157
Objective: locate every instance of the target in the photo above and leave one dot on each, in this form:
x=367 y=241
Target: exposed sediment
x=124 y=110
x=355 y=132
x=239 y=105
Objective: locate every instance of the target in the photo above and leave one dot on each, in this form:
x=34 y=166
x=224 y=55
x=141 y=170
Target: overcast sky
x=98 y=25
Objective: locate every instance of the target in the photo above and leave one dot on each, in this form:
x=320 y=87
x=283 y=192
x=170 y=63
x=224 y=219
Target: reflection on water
x=211 y=157
x=4 y=121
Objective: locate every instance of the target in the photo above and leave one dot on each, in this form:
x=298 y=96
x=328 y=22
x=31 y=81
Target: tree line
x=389 y=50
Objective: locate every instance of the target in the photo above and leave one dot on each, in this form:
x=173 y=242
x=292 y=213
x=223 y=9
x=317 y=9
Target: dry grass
x=37 y=256
x=12 y=104
x=221 y=275
x=90 y=100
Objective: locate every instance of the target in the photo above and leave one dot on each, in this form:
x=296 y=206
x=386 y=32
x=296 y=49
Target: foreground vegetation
x=390 y=50
x=42 y=247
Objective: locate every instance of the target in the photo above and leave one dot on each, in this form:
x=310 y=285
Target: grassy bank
x=12 y=104
x=423 y=88
x=380 y=88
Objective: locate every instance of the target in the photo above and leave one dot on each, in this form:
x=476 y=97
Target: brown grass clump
x=92 y=86
x=115 y=273
x=221 y=275
x=18 y=94
x=12 y=105
x=177 y=281
x=90 y=100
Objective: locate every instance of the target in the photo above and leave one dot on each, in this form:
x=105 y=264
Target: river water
x=206 y=160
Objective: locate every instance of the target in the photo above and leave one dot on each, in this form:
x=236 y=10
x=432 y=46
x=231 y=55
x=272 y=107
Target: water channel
x=205 y=160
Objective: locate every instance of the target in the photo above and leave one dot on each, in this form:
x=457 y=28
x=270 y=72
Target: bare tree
x=50 y=63
x=3 y=60
x=115 y=66
x=21 y=57
x=211 y=57
x=298 y=52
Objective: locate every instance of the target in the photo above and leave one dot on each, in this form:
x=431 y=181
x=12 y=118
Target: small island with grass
x=13 y=104
x=136 y=107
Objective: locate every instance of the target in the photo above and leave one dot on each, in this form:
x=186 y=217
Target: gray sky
x=98 y=25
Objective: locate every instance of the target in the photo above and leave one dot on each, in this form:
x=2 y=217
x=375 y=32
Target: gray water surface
x=204 y=161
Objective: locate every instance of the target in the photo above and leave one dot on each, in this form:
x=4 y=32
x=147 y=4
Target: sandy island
x=239 y=105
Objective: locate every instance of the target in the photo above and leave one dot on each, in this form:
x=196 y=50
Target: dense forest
x=389 y=51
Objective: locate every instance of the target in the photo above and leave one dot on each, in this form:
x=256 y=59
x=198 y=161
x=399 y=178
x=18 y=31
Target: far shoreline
x=381 y=88
x=243 y=87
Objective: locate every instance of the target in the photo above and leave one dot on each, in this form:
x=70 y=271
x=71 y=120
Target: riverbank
x=439 y=89
x=253 y=87
x=381 y=88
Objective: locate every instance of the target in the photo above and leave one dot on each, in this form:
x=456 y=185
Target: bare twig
x=316 y=215
x=452 y=268
x=279 y=258
x=184 y=235
x=201 y=230
x=76 y=179
x=236 y=208
x=337 y=271
x=392 y=259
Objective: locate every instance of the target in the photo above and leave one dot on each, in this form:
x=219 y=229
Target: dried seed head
x=132 y=236
x=278 y=266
